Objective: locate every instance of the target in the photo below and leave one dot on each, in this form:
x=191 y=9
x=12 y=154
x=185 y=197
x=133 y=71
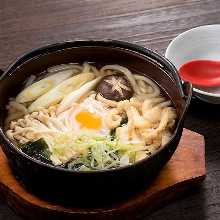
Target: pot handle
x=1 y=72
x=187 y=89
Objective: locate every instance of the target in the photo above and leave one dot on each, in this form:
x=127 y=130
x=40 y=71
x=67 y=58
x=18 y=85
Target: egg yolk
x=89 y=120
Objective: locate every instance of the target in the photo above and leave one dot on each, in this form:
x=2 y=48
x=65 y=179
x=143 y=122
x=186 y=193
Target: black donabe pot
x=91 y=188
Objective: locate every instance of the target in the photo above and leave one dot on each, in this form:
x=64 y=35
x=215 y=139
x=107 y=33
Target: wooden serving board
x=185 y=169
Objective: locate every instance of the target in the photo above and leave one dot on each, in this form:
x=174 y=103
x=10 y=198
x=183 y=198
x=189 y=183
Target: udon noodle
x=83 y=118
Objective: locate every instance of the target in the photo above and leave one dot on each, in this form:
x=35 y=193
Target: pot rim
x=157 y=59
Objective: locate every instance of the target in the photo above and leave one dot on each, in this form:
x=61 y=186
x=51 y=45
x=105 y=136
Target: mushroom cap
x=115 y=87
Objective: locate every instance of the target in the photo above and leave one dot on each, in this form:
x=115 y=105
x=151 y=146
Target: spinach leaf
x=38 y=150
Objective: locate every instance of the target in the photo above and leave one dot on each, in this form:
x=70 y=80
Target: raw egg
x=89 y=120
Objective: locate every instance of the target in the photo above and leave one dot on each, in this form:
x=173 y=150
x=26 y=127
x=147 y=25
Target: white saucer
x=198 y=43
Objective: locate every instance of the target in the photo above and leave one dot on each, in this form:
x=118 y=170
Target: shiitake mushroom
x=115 y=87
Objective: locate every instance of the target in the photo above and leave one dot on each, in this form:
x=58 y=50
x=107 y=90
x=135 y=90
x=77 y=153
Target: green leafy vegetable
x=38 y=150
x=103 y=153
x=85 y=152
x=123 y=122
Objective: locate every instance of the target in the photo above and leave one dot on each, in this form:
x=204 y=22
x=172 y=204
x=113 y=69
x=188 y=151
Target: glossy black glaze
x=91 y=188
x=1 y=72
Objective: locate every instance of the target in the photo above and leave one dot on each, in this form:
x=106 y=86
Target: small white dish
x=197 y=43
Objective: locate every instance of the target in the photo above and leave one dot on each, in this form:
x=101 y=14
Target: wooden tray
x=186 y=168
